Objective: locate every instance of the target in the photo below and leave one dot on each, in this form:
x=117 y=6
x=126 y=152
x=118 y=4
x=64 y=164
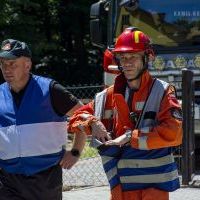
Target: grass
x=88 y=151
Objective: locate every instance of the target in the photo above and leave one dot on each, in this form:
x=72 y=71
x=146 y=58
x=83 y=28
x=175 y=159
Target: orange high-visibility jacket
x=166 y=133
x=132 y=168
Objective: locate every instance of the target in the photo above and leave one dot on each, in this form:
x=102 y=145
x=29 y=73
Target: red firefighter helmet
x=133 y=40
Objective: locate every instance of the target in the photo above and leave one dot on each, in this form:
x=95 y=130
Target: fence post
x=188 y=130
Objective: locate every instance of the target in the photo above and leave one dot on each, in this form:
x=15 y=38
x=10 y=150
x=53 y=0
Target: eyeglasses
x=128 y=57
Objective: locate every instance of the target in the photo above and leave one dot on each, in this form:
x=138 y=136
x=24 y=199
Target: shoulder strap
x=99 y=103
x=154 y=99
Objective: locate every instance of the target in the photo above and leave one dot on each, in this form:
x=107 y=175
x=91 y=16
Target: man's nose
x=127 y=65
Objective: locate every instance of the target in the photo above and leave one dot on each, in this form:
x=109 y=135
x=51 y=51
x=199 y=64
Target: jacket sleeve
x=168 y=131
x=81 y=119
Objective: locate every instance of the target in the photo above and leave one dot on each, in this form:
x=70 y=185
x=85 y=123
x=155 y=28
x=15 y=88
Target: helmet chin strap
x=117 y=61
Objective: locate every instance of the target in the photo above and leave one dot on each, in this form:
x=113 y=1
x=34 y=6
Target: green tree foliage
x=58 y=33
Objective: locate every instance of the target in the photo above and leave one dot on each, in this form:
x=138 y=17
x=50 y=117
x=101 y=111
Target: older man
x=33 y=112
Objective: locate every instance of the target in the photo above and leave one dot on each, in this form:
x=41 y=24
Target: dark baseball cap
x=13 y=49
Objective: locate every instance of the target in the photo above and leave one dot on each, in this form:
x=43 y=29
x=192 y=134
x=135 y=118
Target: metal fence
x=85 y=93
x=88 y=171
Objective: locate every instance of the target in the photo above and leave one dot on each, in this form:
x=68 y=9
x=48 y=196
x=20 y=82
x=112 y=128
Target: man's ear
x=28 y=64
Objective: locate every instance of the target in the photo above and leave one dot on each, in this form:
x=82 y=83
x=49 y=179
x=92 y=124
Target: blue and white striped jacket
x=31 y=136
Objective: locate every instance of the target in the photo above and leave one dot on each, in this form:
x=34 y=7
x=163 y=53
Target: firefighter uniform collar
x=121 y=82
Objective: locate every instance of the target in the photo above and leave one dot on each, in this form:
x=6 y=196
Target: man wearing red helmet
x=143 y=117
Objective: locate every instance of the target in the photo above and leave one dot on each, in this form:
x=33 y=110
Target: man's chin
x=9 y=80
x=131 y=78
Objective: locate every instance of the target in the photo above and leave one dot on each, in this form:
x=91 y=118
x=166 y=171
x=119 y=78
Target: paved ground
x=102 y=193
x=93 y=193
x=90 y=173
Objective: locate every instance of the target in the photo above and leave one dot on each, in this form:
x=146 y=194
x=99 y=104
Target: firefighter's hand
x=99 y=132
x=68 y=160
x=120 y=141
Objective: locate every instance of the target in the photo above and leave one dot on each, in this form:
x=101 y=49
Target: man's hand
x=121 y=140
x=99 y=131
x=68 y=160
